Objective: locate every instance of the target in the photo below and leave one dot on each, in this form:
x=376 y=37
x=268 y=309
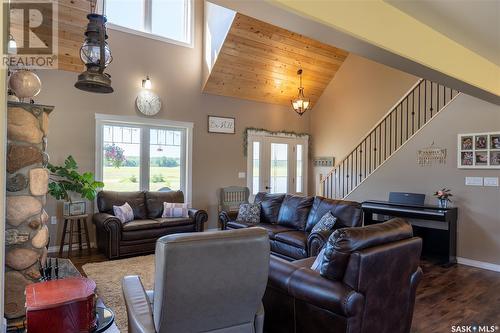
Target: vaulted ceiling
x=259 y=61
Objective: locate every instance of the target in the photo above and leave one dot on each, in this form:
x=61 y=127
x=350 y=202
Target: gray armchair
x=199 y=287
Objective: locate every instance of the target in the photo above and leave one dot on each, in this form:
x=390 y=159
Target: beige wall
x=479 y=209
x=359 y=95
x=176 y=75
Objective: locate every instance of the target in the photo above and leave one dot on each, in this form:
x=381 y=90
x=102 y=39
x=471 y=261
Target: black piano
x=439 y=240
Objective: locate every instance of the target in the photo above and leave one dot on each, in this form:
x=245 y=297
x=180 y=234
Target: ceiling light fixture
x=300 y=104
x=96 y=55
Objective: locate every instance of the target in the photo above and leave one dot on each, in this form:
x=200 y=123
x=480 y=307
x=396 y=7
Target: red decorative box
x=61 y=306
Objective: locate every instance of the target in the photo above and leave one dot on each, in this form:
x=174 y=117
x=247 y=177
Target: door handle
x=268 y=187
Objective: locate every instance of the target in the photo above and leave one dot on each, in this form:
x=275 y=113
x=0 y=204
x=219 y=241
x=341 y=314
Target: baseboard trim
x=479 y=264
x=55 y=248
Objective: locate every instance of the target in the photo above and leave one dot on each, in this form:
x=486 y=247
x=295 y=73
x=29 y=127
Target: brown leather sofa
x=373 y=273
x=117 y=239
x=289 y=220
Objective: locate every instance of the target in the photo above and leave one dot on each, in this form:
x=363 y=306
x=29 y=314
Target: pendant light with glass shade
x=95 y=54
x=300 y=104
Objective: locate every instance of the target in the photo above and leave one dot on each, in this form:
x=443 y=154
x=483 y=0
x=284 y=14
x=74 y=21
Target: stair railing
x=410 y=114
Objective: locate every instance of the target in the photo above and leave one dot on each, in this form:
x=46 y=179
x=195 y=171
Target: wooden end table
x=75 y=227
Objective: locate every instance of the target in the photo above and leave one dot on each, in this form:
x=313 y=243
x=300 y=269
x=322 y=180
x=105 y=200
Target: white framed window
x=134 y=154
x=166 y=20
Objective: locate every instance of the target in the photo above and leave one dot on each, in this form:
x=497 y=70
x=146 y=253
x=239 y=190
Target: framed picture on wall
x=223 y=125
x=479 y=151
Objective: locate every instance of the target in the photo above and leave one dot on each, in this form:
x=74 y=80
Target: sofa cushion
x=107 y=199
x=174 y=221
x=326 y=223
x=140 y=225
x=348 y=213
x=249 y=213
x=269 y=206
x=287 y=251
x=155 y=200
x=124 y=212
x=294 y=238
x=294 y=211
x=347 y=240
x=273 y=229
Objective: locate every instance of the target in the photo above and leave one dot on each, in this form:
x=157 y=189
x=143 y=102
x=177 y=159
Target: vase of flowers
x=443 y=197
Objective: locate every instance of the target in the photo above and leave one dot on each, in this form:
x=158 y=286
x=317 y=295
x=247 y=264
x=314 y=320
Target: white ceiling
x=475 y=24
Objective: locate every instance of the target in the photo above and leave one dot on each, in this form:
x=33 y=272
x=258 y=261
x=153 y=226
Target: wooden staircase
x=410 y=114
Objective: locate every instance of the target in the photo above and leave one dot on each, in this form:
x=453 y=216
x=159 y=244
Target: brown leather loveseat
x=368 y=285
x=289 y=220
x=117 y=239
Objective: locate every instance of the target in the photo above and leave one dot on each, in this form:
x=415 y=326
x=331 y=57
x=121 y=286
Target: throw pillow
x=326 y=223
x=319 y=260
x=172 y=209
x=249 y=213
x=124 y=212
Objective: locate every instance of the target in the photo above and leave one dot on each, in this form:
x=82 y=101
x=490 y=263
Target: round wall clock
x=148 y=103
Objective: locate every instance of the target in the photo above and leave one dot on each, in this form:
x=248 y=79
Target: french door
x=277 y=163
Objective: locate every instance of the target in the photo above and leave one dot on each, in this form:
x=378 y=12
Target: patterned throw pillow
x=124 y=213
x=175 y=209
x=326 y=223
x=319 y=260
x=249 y=213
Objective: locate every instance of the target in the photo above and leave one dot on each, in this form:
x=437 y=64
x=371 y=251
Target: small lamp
x=146 y=84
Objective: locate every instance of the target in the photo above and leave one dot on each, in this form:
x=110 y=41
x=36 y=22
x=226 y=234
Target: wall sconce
x=146 y=84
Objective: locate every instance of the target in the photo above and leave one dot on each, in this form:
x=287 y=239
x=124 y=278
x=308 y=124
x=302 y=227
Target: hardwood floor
x=458 y=295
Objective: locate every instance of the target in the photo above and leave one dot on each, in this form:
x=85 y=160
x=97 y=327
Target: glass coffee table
x=105 y=318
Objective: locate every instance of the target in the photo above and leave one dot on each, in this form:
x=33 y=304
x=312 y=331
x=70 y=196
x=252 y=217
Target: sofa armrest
x=107 y=222
x=316 y=241
x=225 y=217
x=199 y=217
x=108 y=234
x=139 y=313
x=310 y=287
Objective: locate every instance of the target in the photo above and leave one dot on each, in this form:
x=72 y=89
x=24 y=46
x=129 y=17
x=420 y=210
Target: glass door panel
x=279 y=168
x=256 y=168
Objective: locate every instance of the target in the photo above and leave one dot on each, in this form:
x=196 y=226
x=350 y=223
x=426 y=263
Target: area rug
x=108 y=278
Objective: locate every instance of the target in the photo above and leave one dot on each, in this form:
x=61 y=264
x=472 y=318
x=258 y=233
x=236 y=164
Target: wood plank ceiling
x=259 y=61
x=71 y=22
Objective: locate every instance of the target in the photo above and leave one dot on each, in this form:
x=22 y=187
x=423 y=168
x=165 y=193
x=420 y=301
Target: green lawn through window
x=127 y=178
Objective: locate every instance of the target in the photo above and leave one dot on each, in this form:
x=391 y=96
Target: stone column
x=26 y=231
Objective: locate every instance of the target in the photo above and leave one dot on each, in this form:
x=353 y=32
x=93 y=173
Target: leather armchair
x=376 y=274
x=198 y=288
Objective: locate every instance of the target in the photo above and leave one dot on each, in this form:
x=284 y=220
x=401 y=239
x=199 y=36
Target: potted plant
x=443 y=197
x=65 y=180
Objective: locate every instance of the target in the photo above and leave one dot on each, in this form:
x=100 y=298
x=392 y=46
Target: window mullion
x=148 y=14
x=144 y=169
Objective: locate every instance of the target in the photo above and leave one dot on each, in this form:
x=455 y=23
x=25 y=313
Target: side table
x=75 y=227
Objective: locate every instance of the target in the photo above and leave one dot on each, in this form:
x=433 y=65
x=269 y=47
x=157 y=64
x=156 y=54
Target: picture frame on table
x=221 y=125
x=478 y=150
